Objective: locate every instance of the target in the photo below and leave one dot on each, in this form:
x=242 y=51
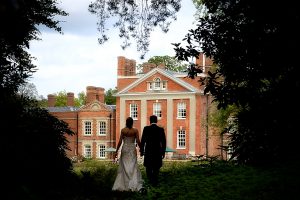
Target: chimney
x=126 y=67
x=204 y=62
x=70 y=99
x=51 y=100
x=90 y=94
x=148 y=67
x=100 y=94
x=121 y=65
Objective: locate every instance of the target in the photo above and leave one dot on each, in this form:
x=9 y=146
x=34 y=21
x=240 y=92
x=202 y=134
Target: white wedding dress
x=129 y=176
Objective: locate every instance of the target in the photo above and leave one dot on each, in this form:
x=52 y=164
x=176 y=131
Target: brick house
x=93 y=123
x=178 y=101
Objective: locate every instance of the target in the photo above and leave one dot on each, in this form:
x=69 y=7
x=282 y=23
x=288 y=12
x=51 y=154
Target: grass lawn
x=188 y=180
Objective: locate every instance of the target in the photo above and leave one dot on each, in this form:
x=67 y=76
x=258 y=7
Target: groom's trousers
x=152 y=175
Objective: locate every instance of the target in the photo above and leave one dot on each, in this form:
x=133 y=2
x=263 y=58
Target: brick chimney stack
x=121 y=65
x=148 y=67
x=51 y=100
x=100 y=94
x=70 y=99
x=126 y=67
x=204 y=62
x=94 y=93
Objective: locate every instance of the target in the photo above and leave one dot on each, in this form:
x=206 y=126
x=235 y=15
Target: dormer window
x=157 y=84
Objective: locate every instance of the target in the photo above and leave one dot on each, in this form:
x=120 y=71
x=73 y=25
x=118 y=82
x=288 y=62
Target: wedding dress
x=129 y=176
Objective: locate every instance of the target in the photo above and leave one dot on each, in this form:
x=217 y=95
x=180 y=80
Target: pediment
x=140 y=85
x=95 y=106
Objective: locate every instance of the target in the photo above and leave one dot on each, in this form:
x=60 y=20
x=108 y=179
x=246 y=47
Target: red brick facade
x=92 y=116
x=179 y=100
x=175 y=89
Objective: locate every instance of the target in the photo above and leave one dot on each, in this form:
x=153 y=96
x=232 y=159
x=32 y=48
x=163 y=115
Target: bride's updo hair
x=129 y=122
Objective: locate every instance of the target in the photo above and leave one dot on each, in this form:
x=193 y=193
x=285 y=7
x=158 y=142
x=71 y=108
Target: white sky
x=73 y=60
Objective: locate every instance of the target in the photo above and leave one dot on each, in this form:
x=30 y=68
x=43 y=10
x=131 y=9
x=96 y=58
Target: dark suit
x=153 y=146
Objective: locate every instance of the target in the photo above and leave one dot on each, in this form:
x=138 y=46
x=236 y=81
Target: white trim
x=192 y=131
x=162 y=72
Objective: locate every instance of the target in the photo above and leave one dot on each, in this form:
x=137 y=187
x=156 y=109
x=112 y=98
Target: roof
x=170 y=74
x=62 y=109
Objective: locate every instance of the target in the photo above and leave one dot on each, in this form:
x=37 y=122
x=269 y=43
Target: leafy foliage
x=171 y=63
x=187 y=180
x=34 y=153
x=243 y=38
x=29 y=90
x=19 y=22
x=110 y=99
x=135 y=19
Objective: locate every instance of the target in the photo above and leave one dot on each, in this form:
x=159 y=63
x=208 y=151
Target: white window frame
x=181 y=110
x=150 y=85
x=164 y=85
x=181 y=139
x=101 y=152
x=102 y=130
x=87 y=131
x=157 y=109
x=133 y=109
x=157 y=84
x=87 y=151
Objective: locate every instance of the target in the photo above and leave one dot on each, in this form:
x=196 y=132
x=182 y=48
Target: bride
x=129 y=176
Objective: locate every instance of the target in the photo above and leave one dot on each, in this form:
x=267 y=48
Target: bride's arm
x=137 y=136
x=119 y=144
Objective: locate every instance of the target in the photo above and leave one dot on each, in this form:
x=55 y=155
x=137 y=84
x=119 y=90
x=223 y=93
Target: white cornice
x=184 y=84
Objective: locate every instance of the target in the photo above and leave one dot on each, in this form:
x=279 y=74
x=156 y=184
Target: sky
x=74 y=60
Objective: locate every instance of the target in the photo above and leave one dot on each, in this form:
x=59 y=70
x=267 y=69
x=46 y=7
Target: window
x=157 y=84
x=87 y=151
x=181 y=137
x=133 y=111
x=102 y=127
x=101 y=151
x=181 y=110
x=87 y=125
x=164 y=85
x=150 y=85
x=157 y=110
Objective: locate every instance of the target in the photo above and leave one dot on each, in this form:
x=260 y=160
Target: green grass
x=188 y=180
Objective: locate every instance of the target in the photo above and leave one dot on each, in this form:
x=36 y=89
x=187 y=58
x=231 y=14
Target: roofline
x=157 y=93
x=177 y=80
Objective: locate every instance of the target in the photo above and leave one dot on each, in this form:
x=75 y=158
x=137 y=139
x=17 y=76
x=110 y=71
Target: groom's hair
x=153 y=119
x=129 y=122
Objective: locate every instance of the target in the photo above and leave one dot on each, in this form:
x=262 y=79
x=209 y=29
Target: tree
x=110 y=99
x=171 y=63
x=243 y=38
x=135 y=19
x=36 y=159
x=19 y=22
x=34 y=151
x=61 y=99
x=81 y=100
x=29 y=90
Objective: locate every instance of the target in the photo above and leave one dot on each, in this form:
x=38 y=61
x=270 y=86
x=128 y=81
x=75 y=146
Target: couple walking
x=152 y=146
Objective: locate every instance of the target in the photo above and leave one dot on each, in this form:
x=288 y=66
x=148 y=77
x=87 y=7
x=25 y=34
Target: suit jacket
x=153 y=145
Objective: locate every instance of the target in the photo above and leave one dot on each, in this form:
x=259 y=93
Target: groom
x=153 y=146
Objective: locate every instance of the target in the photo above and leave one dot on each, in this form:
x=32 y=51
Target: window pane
x=102 y=127
x=157 y=109
x=181 y=110
x=87 y=151
x=101 y=151
x=181 y=137
x=133 y=111
x=87 y=127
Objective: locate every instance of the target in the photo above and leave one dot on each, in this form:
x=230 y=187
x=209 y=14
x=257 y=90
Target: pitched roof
x=170 y=74
x=63 y=109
